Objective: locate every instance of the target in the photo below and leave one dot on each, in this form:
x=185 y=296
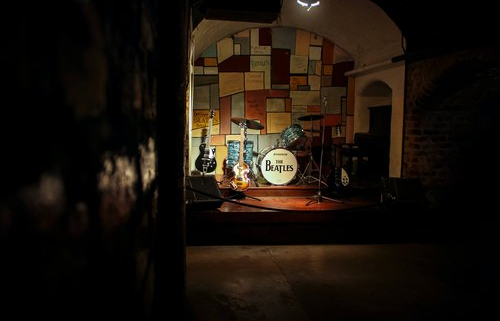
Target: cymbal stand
x=311 y=164
x=319 y=197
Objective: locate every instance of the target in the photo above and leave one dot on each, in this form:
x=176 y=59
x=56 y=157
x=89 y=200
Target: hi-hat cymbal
x=310 y=117
x=251 y=124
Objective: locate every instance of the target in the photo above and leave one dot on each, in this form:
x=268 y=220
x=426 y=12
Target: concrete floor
x=405 y=281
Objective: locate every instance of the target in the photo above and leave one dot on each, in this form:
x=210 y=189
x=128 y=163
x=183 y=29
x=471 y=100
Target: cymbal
x=310 y=117
x=251 y=124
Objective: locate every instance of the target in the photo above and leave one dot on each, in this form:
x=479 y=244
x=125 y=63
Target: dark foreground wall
x=452 y=127
x=79 y=164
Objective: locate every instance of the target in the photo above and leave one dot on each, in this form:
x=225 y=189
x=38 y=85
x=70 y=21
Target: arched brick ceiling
x=370 y=30
x=358 y=26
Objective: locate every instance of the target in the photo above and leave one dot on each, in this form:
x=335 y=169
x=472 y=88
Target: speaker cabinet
x=202 y=193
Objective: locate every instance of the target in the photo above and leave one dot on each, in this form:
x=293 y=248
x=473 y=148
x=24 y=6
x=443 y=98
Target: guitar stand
x=238 y=195
x=241 y=195
x=252 y=177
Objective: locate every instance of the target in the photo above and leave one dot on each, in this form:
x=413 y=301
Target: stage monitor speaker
x=202 y=193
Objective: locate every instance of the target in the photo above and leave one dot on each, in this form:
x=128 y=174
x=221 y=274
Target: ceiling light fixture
x=308 y=3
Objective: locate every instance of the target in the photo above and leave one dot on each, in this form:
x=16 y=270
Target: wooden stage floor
x=311 y=200
x=305 y=197
x=293 y=214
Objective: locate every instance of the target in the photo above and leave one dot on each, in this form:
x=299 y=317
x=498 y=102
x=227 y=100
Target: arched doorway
x=374 y=129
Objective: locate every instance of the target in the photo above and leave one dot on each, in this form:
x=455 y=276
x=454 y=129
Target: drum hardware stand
x=240 y=195
x=319 y=197
x=311 y=165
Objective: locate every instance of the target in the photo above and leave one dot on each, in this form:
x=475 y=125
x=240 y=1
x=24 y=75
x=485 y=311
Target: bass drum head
x=277 y=165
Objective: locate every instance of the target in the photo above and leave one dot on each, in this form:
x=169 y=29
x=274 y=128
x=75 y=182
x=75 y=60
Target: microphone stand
x=319 y=197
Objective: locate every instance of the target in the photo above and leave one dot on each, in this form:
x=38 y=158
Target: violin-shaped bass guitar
x=240 y=181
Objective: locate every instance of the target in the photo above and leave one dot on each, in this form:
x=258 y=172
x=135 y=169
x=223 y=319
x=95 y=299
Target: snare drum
x=233 y=153
x=293 y=136
x=277 y=165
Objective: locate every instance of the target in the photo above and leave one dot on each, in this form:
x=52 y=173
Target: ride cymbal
x=310 y=117
x=248 y=123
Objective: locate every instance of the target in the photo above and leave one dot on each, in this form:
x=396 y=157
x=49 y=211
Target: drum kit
x=277 y=164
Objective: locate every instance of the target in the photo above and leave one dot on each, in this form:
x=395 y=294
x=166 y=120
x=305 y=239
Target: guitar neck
x=209 y=131
x=242 y=147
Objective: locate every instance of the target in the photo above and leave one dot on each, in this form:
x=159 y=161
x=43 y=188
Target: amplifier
x=202 y=193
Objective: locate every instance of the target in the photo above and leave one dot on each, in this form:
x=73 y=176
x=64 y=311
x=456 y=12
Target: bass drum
x=277 y=165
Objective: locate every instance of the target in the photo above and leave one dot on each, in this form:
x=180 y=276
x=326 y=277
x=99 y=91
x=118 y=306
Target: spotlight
x=308 y=3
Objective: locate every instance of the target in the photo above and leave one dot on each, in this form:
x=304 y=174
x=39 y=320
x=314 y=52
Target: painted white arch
x=393 y=77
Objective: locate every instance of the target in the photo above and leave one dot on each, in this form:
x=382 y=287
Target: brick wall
x=451 y=123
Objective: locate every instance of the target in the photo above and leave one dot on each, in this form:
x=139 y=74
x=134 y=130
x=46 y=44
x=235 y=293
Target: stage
x=283 y=214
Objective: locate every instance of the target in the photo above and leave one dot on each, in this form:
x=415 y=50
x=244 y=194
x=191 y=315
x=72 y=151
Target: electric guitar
x=240 y=181
x=206 y=162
